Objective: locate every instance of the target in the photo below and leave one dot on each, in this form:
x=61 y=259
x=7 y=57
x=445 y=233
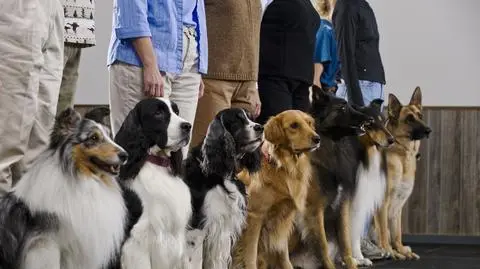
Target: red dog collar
x=158 y=160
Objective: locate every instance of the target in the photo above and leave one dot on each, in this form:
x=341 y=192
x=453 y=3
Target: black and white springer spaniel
x=153 y=135
x=219 y=201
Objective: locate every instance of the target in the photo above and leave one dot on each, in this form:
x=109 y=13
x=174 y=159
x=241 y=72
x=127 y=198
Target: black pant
x=280 y=94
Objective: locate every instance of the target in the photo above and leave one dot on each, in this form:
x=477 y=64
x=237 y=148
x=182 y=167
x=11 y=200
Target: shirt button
x=364 y=70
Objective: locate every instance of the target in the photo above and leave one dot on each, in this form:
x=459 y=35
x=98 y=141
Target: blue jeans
x=370 y=91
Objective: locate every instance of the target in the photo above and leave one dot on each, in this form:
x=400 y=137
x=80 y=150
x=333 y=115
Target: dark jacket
x=358 y=45
x=287 y=40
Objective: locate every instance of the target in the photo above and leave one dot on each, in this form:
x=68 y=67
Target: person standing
x=233 y=39
x=31 y=60
x=287 y=44
x=362 y=70
x=158 y=48
x=79 y=32
x=327 y=63
x=358 y=43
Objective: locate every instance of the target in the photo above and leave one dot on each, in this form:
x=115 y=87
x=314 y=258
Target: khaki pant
x=219 y=95
x=31 y=56
x=71 y=61
x=126 y=86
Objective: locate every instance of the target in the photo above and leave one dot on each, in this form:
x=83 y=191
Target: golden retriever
x=277 y=192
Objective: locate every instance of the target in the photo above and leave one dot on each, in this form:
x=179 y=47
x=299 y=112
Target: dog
x=68 y=210
x=219 y=199
x=332 y=188
x=370 y=179
x=153 y=135
x=277 y=192
x=407 y=125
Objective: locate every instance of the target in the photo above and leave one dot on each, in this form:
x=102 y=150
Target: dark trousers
x=280 y=94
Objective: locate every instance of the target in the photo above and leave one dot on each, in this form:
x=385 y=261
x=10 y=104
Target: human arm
x=132 y=24
x=346 y=31
x=322 y=53
x=152 y=79
x=318 y=70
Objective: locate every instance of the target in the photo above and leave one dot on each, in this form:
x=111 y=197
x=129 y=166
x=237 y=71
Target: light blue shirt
x=188 y=9
x=162 y=20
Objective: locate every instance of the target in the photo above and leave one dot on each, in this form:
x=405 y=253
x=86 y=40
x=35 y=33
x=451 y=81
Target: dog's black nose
x=123 y=156
x=258 y=128
x=316 y=139
x=391 y=140
x=186 y=127
x=428 y=130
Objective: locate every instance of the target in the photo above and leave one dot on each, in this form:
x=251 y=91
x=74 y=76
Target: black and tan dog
x=406 y=123
x=332 y=189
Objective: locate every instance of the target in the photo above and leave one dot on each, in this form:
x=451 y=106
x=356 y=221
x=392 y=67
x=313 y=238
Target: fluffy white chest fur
x=91 y=216
x=158 y=239
x=225 y=215
x=369 y=194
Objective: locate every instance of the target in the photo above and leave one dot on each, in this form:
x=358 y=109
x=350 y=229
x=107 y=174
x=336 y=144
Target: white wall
x=92 y=85
x=434 y=44
x=431 y=43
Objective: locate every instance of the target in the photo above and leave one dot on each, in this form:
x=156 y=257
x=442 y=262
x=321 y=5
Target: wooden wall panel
x=446 y=197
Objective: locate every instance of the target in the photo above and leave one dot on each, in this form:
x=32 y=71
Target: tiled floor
x=439 y=257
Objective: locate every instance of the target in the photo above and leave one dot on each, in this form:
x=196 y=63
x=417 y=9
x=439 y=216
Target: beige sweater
x=233 y=28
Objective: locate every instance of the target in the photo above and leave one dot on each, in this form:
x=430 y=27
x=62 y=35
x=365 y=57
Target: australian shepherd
x=153 y=135
x=406 y=123
x=277 y=192
x=67 y=211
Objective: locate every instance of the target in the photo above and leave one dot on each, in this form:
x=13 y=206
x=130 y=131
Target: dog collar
x=159 y=160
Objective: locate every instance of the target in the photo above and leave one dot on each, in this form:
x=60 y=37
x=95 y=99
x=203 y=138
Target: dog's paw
x=398 y=256
x=364 y=262
x=350 y=263
x=405 y=252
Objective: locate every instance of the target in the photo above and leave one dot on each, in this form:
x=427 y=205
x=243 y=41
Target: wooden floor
x=446 y=197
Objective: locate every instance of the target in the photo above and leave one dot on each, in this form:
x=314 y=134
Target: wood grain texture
x=446 y=196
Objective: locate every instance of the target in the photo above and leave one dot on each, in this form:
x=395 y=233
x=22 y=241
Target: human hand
x=152 y=81
x=201 y=89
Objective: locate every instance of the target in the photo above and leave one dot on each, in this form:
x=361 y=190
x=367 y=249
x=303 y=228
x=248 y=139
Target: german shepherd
x=407 y=125
x=335 y=164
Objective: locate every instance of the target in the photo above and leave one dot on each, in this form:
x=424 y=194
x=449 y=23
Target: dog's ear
x=131 y=138
x=377 y=104
x=176 y=161
x=416 y=98
x=218 y=150
x=252 y=161
x=65 y=124
x=319 y=96
x=274 y=131
x=98 y=114
x=394 y=106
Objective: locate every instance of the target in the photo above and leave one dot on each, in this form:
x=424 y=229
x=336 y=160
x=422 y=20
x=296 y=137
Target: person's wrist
x=150 y=65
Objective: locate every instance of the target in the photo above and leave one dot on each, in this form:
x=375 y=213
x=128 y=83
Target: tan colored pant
x=219 y=95
x=71 y=61
x=31 y=56
x=126 y=84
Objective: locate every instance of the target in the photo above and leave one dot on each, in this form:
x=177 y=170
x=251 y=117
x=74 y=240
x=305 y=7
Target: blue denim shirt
x=161 y=20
